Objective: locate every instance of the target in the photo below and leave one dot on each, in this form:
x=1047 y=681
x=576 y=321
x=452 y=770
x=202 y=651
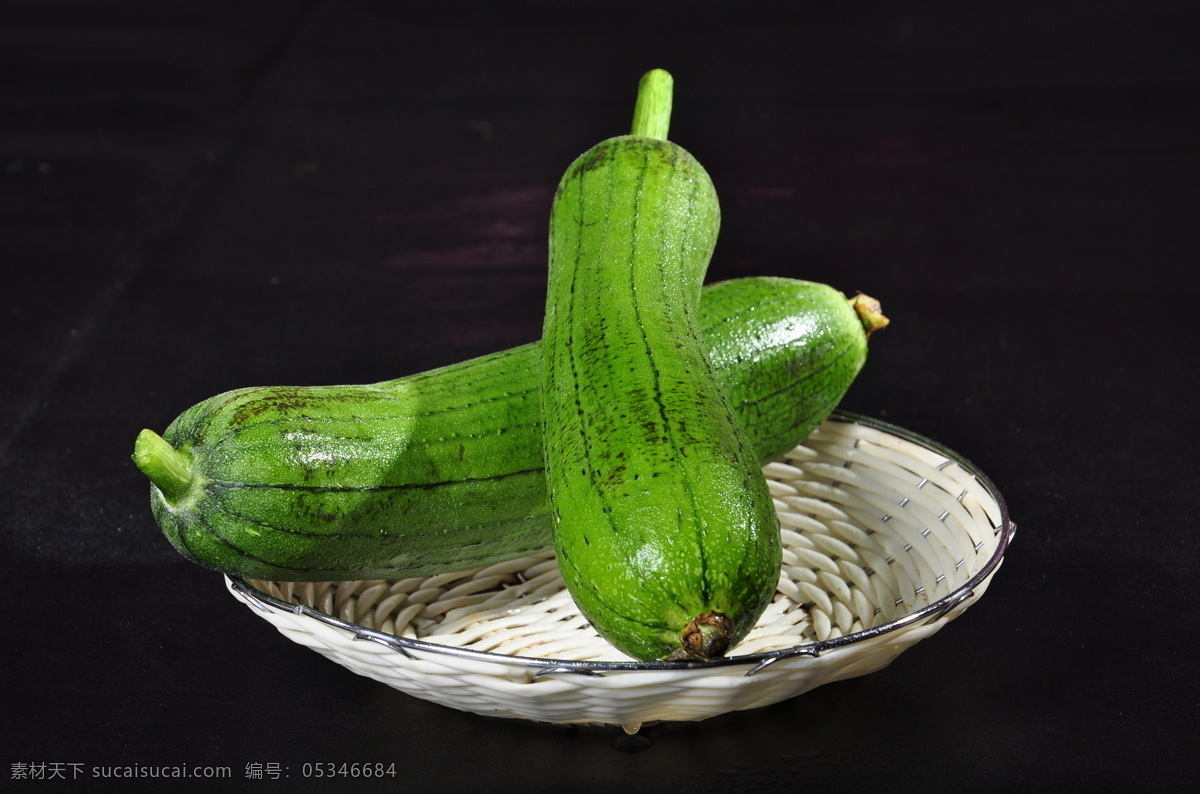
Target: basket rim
x=929 y=613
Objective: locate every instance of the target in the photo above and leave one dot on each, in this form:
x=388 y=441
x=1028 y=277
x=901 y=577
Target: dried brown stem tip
x=870 y=313
x=704 y=638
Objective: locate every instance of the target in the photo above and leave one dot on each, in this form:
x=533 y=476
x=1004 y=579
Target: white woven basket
x=887 y=537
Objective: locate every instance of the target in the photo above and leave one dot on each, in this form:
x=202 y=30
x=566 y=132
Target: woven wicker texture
x=886 y=538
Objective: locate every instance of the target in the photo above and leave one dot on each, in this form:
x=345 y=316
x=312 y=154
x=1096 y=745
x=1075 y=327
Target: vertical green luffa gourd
x=664 y=527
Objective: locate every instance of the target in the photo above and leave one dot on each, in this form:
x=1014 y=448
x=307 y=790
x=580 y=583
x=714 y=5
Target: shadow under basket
x=887 y=536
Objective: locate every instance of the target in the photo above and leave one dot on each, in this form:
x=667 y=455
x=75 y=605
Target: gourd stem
x=168 y=468
x=652 y=112
x=870 y=313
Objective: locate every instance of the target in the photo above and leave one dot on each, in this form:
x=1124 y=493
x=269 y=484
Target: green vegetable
x=443 y=470
x=664 y=528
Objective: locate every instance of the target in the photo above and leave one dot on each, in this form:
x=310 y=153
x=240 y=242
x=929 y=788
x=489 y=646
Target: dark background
x=202 y=196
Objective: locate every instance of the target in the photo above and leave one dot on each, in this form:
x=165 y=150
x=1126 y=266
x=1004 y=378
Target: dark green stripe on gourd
x=443 y=470
x=664 y=529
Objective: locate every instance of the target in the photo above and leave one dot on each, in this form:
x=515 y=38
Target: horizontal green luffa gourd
x=442 y=470
x=664 y=528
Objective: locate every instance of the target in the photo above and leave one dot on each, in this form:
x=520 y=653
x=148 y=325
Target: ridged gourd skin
x=665 y=530
x=443 y=470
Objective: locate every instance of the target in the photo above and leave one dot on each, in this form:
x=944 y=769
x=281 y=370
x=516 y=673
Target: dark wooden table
x=201 y=196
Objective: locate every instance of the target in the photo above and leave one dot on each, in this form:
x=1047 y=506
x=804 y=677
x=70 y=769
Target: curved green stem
x=168 y=468
x=652 y=113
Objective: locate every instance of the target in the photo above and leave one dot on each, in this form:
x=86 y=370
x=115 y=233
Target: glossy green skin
x=661 y=511
x=443 y=470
